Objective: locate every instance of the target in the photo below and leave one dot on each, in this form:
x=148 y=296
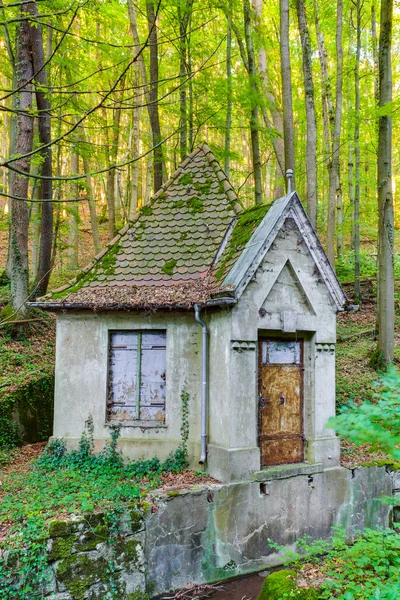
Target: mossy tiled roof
x=173 y=241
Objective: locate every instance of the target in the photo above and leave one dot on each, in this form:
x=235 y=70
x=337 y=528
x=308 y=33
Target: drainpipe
x=204 y=385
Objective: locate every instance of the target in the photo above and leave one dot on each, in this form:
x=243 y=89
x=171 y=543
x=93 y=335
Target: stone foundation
x=213 y=532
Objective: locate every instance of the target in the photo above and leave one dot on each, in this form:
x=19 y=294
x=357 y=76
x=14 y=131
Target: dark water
x=246 y=588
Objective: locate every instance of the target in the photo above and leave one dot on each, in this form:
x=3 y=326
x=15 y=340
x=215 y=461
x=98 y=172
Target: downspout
x=204 y=384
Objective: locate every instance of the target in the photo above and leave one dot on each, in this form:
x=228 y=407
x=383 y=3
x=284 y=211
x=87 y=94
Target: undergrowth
x=78 y=482
x=367 y=569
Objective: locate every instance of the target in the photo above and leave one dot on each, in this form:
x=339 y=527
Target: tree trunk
x=385 y=307
x=277 y=122
x=134 y=189
x=113 y=157
x=286 y=87
x=334 y=159
x=184 y=12
x=152 y=107
x=254 y=133
x=46 y=186
x=73 y=216
x=356 y=212
x=228 y=122
x=158 y=159
x=311 y=151
x=91 y=198
x=19 y=184
x=327 y=106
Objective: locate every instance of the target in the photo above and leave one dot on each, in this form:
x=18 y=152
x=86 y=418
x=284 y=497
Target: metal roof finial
x=289 y=177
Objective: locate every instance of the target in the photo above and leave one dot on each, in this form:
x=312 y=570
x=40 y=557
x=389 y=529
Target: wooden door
x=280 y=392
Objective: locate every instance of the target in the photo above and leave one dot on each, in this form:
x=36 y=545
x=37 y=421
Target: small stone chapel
x=237 y=307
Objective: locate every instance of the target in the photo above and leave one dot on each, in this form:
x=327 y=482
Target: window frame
x=141 y=423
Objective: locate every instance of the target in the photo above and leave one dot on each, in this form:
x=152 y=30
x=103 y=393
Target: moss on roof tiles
x=176 y=235
x=247 y=222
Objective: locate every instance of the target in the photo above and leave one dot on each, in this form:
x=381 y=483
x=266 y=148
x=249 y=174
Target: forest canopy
x=102 y=99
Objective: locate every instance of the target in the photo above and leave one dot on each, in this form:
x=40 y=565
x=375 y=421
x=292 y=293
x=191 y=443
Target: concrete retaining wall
x=211 y=533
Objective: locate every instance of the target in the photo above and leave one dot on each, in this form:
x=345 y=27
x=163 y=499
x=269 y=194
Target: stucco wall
x=81 y=379
x=286 y=298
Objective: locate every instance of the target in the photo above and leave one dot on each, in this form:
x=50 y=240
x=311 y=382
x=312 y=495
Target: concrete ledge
x=285 y=471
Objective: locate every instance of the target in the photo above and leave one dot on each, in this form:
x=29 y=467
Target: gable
x=260 y=243
x=288 y=294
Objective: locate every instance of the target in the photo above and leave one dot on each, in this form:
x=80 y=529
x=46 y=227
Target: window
x=281 y=352
x=136 y=378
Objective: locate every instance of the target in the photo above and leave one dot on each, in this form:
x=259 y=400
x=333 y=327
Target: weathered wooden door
x=280 y=392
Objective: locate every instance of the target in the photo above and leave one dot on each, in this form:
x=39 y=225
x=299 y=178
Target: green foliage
x=367 y=569
x=74 y=482
x=375 y=423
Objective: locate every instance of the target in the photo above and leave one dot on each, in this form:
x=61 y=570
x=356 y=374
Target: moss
x=105 y=266
x=169 y=266
x=186 y=179
x=146 y=210
x=247 y=222
x=6 y=313
x=203 y=188
x=79 y=572
x=173 y=494
x=282 y=584
x=195 y=205
x=33 y=403
x=59 y=528
x=130 y=549
x=137 y=596
x=392 y=465
x=136 y=520
x=61 y=547
x=92 y=537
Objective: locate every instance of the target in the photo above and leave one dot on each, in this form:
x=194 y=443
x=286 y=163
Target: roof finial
x=289 y=177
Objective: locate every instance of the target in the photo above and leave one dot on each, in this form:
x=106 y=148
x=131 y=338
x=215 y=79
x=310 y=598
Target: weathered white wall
x=81 y=379
x=286 y=298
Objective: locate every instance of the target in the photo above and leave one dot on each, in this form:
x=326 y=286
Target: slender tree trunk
x=158 y=159
x=339 y=209
x=311 y=151
x=286 y=87
x=73 y=216
x=152 y=107
x=254 y=132
x=134 y=190
x=19 y=184
x=334 y=160
x=385 y=198
x=276 y=115
x=46 y=186
x=228 y=122
x=35 y=227
x=91 y=196
x=357 y=157
x=113 y=156
x=184 y=12
x=374 y=38
x=350 y=168
x=327 y=105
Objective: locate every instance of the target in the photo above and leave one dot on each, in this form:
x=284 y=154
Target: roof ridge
x=221 y=175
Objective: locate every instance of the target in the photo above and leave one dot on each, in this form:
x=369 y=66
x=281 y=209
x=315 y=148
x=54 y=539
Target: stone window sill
x=139 y=424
